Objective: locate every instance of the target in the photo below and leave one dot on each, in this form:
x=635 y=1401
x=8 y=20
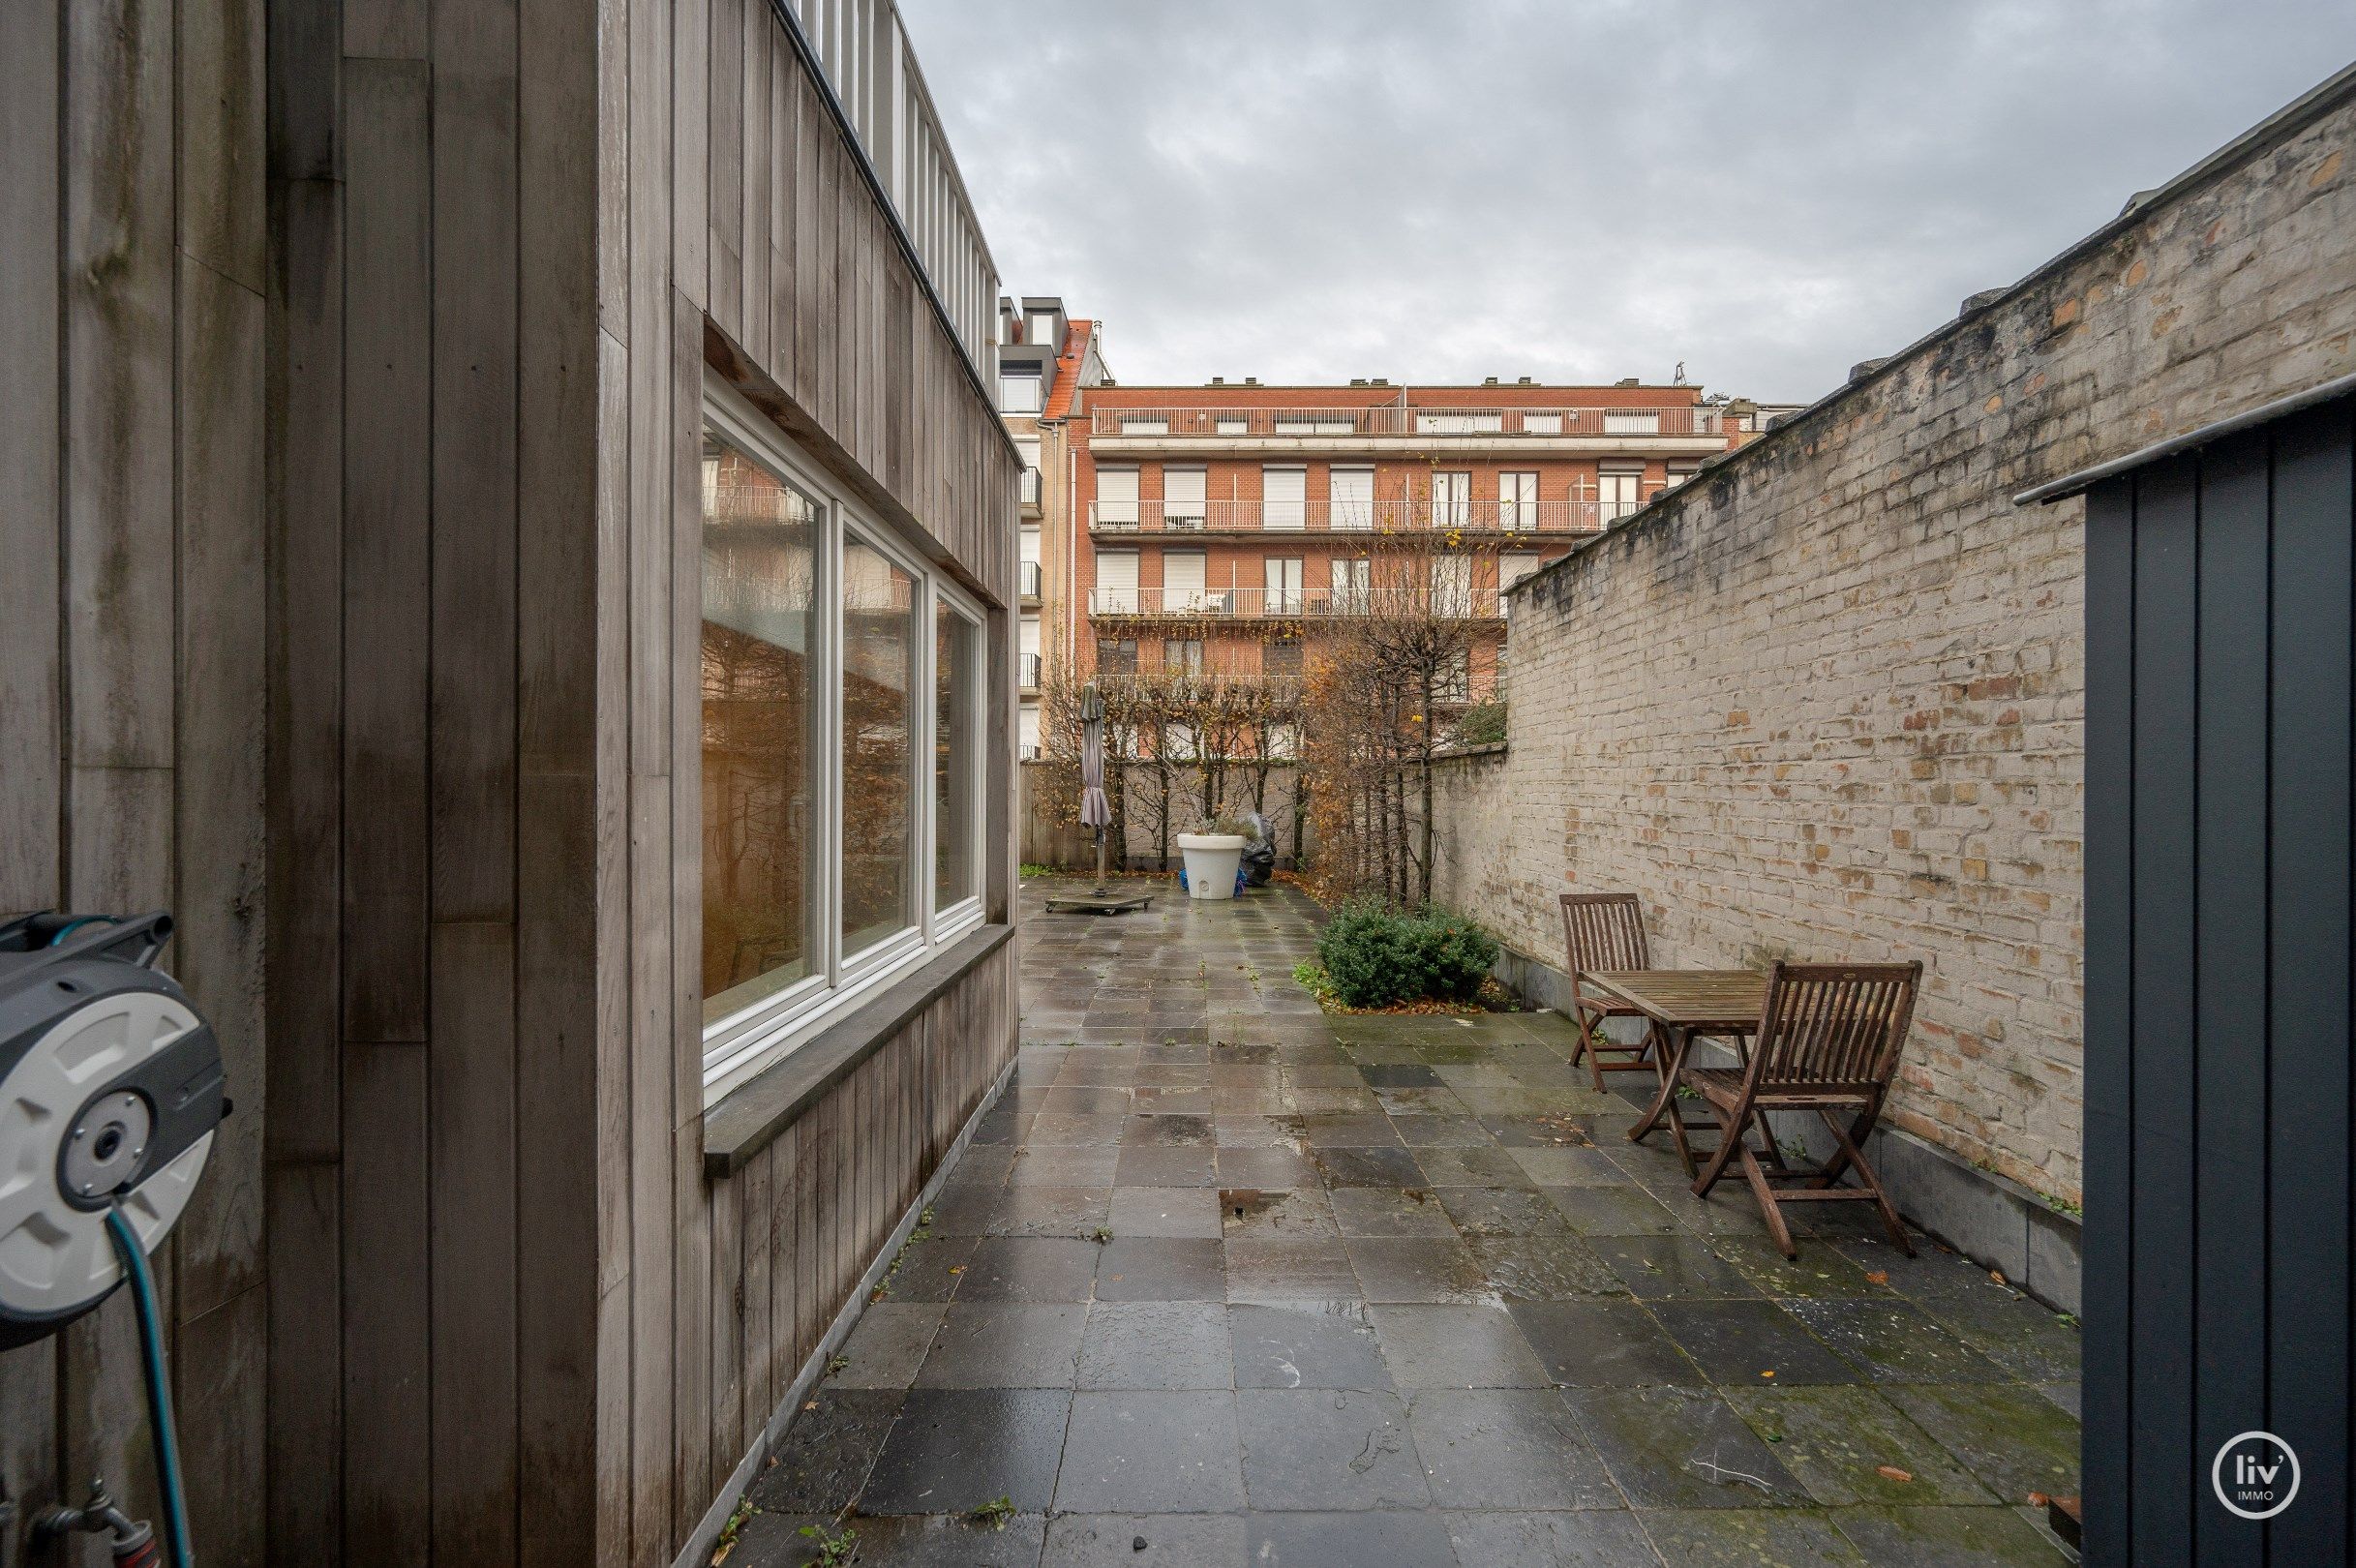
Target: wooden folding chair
x=1605 y=931
x=1829 y=1043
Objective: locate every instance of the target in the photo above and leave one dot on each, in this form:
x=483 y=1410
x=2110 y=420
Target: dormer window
x=1041 y=328
x=1019 y=392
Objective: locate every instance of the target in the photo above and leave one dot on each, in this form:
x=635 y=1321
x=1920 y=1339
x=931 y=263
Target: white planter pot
x=1211 y=864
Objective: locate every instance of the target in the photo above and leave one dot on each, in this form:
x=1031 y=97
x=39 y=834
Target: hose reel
x=110 y=1091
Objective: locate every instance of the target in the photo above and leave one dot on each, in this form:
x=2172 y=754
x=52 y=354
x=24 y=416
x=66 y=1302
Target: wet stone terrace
x=1227 y=1280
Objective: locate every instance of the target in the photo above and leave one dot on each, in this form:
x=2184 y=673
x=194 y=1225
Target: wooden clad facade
x=355 y=357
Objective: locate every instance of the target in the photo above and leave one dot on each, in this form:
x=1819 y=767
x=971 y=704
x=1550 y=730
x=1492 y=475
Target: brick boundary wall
x=1826 y=699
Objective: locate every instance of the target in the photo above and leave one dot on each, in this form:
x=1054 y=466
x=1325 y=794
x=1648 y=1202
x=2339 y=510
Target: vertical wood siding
x=351 y=487
x=2220 y=651
x=133 y=237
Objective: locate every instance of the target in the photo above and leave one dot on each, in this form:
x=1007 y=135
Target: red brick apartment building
x=1219 y=527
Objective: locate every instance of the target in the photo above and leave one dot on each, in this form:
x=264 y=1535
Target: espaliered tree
x=1180 y=747
x=1382 y=689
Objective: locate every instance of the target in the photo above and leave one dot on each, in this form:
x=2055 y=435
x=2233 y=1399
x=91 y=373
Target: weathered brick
x=1828 y=703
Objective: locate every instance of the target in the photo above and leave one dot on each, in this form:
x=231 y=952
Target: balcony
x=1678 y=430
x=1270 y=604
x=1376 y=518
x=1028 y=581
x=1030 y=492
x=1026 y=670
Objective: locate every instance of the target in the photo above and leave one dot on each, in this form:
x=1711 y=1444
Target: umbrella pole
x=1099 y=862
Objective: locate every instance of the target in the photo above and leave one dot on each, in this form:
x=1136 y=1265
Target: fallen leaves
x=1879 y=1277
x=1890 y=1472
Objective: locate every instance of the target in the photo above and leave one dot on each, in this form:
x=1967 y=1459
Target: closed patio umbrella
x=1095 y=810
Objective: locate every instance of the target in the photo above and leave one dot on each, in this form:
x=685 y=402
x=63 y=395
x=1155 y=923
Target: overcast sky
x=1575 y=189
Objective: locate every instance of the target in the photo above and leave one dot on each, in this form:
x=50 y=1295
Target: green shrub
x=1370 y=955
x=1374 y=955
x=1456 y=954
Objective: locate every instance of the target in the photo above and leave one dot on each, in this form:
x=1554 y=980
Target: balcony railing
x=1276 y=604
x=1026 y=668
x=1030 y=487
x=1030 y=577
x=1375 y=517
x=1391 y=420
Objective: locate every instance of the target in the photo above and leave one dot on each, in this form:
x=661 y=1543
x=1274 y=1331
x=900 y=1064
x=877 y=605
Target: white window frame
x=743 y=1043
x=1008 y=379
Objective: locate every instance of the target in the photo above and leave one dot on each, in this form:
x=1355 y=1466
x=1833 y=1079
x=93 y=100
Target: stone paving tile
x=1289 y=1268
x=1445 y=1346
x=1165 y=1211
x=2013 y=1438
x=1392 y=1168
x=1003 y=1344
x=1148 y=1453
x=1151 y=1268
x=1843 y=1444
x=1603 y=1344
x=1612 y=1211
x=889 y=1344
x=1475 y=1166
x=1594 y=1539
x=1742 y=1343
x=1167 y=1344
x=1893 y=1342
x=1314 y=1448
x=1545 y=1268
x=1029 y=1267
x=1749 y=1537
x=1417 y=1268
x=1390 y=1211
x=1507 y=1448
x=1945 y=1537
x=1144 y=1541
x=1660 y=1268
x=824 y=1457
x=1306 y=1344
x=1049 y=1166
x=935 y=1541
x=1391 y=1290
x=1348 y=1540
x=1682 y=1448
x=954 y=1449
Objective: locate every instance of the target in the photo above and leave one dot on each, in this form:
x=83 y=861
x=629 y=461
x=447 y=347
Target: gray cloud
x=1444 y=190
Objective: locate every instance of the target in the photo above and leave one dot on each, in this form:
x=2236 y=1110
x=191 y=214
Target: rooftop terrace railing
x=1273 y=604
x=1373 y=518
x=861 y=51
x=1390 y=420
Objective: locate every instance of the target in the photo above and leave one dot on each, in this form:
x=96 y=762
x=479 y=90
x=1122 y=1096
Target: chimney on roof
x=1218 y=381
x=1252 y=381
x=1626 y=380
x=1381 y=381
x=1489 y=380
x=1525 y=381
x=1357 y=381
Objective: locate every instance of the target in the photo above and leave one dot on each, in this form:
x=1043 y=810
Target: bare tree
x=1379 y=698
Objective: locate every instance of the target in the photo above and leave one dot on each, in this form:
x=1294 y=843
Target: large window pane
x=957 y=722
x=880 y=646
x=761 y=931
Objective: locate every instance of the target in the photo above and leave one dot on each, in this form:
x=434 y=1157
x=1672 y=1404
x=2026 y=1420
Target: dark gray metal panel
x=2108 y=1085
x=2307 y=1212
x=2230 y=1081
x=2161 y=1055
x=2220 y=680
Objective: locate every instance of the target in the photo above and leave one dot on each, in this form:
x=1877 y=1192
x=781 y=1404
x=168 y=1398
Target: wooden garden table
x=1683 y=1003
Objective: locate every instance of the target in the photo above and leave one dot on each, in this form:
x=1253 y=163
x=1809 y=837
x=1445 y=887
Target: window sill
x=749 y=1117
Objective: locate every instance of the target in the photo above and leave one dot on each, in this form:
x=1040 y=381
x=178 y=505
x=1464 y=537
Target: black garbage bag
x=1259 y=854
